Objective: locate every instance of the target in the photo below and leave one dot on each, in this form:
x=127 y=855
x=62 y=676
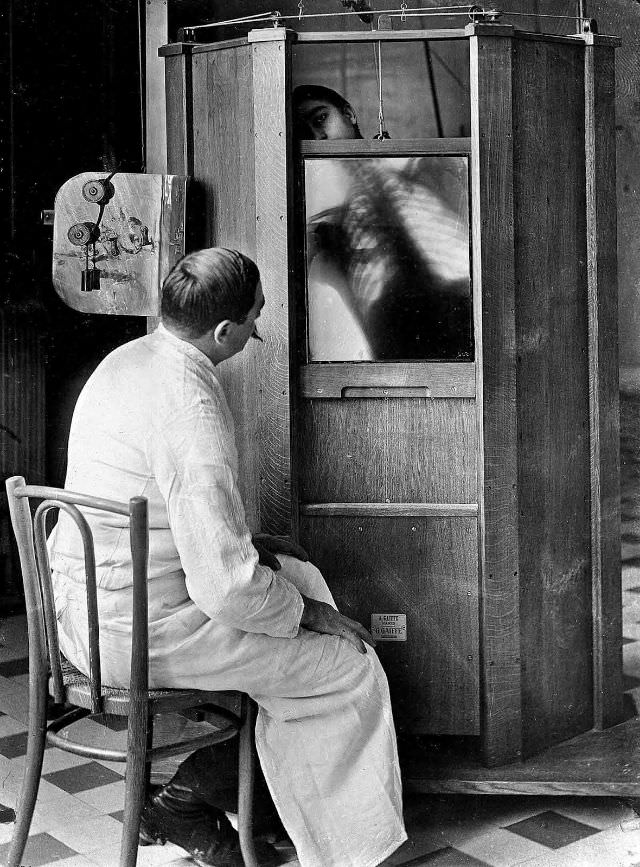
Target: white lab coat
x=153 y=421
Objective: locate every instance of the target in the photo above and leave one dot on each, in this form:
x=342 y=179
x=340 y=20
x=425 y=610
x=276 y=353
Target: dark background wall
x=69 y=102
x=71 y=93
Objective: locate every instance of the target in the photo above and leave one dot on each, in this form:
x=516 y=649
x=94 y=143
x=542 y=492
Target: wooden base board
x=595 y=763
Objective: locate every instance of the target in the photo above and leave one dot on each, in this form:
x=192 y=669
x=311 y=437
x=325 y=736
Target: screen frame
x=320 y=379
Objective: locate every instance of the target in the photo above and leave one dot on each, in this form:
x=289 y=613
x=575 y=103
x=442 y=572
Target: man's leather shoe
x=173 y=813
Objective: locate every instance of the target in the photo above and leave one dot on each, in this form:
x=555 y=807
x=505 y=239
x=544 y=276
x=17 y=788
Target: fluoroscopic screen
x=387 y=258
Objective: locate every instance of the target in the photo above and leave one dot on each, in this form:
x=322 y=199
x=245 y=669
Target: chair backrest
x=30 y=533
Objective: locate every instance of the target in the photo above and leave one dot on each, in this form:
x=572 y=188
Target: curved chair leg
x=134 y=792
x=36 y=740
x=246 y=777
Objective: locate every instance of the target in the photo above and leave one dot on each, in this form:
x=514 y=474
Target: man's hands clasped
x=317 y=616
x=323 y=618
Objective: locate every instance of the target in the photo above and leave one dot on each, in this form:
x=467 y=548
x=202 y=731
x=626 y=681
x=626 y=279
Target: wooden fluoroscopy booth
x=433 y=411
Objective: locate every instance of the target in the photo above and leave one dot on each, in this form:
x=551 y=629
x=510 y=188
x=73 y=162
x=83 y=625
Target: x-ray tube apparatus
x=87 y=234
x=114 y=239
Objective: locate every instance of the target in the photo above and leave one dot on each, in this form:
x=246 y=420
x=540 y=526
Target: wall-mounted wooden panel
x=395 y=450
x=179 y=120
x=273 y=189
x=425 y=568
x=492 y=231
x=223 y=145
x=552 y=392
x=223 y=167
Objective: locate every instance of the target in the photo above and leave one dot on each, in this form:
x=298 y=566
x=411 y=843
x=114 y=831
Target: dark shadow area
x=69 y=102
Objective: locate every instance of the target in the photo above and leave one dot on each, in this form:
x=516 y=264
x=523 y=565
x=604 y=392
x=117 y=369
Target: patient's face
x=325 y=121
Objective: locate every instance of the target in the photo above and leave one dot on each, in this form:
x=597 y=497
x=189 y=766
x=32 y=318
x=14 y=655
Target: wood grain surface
x=604 y=410
x=396 y=510
x=494 y=306
x=425 y=568
x=223 y=166
x=397 y=147
x=595 y=763
x=179 y=97
x=273 y=185
x=389 y=450
x=444 y=379
x=552 y=392
x=380 y=35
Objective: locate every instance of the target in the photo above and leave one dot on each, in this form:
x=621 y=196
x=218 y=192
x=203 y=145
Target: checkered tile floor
x=78 y=817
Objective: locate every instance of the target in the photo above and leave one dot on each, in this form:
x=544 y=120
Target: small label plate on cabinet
x=389 y=627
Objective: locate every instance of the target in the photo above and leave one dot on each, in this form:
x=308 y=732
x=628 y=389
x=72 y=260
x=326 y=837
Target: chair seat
x=217 y=723
x=116 y=700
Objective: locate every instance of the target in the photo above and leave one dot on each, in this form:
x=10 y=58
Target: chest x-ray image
x=388 y=263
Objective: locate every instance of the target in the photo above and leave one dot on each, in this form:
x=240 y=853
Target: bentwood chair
x=86 y=695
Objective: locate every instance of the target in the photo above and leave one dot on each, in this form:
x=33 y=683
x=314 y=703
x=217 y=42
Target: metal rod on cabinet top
x=473 y=12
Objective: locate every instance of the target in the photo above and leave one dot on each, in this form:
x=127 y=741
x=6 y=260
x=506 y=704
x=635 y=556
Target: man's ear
x=221 y=331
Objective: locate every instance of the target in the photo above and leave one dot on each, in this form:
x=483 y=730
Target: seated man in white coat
x=153 y=421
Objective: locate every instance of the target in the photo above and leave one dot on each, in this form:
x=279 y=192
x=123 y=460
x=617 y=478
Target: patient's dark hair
x=319 y=92
x=207 y=287
x=323 y=94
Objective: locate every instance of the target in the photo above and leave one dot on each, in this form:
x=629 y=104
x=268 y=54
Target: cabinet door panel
x=391 y=450
x=426 y=569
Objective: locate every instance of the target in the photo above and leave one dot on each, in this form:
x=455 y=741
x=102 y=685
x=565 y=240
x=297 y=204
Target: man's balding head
x=207 y=287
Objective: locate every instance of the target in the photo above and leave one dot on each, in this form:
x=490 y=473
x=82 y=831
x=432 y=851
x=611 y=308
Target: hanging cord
x=382 y=132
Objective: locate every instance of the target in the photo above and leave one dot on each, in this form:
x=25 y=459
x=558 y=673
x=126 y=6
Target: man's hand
x=321 y=617
x=268 y=546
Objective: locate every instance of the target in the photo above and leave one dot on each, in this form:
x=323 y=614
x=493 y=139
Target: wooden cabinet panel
x=427 y=569
x=386 y=466
x=552 y=376
x=388 y=450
